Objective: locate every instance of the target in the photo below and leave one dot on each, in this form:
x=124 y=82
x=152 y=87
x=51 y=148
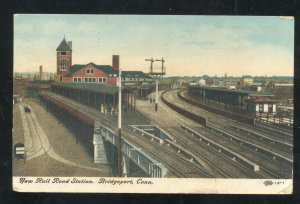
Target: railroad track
x=275 y=130
x=281 y=136
x=220 y=163
x=271 y=166
x=176 y=163
x=220 y=121
x=275 y=146
x=35 y=138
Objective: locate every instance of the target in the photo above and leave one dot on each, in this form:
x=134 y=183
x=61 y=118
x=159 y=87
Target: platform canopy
x=92 y=87
x=238 y=92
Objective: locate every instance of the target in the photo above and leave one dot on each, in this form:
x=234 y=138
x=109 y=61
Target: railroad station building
x=93 y=73
x=87 y=73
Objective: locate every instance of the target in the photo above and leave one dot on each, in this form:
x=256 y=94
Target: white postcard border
x=152 y=185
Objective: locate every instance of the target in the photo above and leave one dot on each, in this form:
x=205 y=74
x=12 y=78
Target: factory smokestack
x=41 y=72
x=70 y=44
x=115 y=62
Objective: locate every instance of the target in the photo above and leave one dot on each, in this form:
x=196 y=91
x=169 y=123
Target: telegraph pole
x=120 y=126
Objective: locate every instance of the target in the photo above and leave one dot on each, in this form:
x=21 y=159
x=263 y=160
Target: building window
x=60 y=78
x=90 y=79
x=90 y=71
x=102 y=80
x=270 y=108
x=261 y=107
x=63 y=53
x=63 y=64
x=77 y=79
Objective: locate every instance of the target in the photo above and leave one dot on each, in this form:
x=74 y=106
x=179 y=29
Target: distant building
x=209 y=82
x=256 y=88
x=19 y=86
x=247 y=80
x=230 y=84
x=135 y=77
x=202 y=82
x=283 y=91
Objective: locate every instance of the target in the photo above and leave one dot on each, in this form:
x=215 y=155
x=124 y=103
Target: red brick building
x=89 y=73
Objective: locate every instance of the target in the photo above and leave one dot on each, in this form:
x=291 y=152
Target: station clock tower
x=64 y=58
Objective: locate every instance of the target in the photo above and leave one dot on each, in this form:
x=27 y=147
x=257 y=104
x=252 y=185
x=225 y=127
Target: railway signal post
x=156 y=74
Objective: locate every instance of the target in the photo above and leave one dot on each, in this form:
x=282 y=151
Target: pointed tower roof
x=63 y=46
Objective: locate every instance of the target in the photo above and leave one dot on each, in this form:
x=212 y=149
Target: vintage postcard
x=153 y=104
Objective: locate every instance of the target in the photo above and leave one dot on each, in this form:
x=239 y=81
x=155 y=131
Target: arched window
x=63 y=63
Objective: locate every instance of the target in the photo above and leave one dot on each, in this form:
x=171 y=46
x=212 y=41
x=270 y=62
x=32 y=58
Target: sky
x=190 y=45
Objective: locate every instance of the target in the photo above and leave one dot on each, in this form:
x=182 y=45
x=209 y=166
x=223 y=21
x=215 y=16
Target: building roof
x=146 y=86
x=135 y=74
x=261 y=100
x=239 y=92
x=104 y=68
x=109 y=70
x=64 y=46
x=94 y=87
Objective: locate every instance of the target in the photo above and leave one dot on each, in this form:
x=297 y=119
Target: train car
x=27 y=109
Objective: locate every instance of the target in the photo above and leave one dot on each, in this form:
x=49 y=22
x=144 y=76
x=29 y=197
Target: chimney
x=115 y=62
x=41 y=72
x=70 y=44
